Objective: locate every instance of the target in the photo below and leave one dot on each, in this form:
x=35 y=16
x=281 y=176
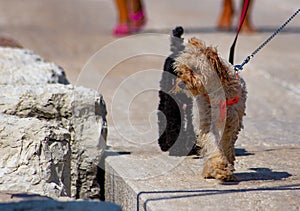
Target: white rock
x=20 y=67
x=52 y=135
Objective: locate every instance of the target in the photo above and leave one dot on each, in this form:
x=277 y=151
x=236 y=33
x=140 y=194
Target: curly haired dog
x=220 y=95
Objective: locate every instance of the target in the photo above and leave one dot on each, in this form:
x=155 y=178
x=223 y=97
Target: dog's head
x=188 y=80
x=199 y=68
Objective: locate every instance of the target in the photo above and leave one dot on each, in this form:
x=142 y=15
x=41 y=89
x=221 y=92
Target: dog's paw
x=219 y=174
x=217 y=167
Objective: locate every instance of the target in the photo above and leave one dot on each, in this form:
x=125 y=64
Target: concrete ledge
x=264 y=183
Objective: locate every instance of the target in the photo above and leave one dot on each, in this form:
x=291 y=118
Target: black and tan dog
x=175 y=109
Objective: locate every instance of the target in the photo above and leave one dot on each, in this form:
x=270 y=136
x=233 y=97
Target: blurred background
x=69 y=32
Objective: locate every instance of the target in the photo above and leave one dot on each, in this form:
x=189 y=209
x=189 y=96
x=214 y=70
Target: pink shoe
x=138 y=19
x=121 y=30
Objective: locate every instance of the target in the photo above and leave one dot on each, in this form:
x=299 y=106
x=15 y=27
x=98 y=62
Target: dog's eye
x=179 y=73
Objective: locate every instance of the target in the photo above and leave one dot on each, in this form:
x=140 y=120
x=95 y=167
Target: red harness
x=223 y=104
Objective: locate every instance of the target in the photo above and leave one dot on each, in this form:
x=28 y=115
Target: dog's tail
x=176 y=41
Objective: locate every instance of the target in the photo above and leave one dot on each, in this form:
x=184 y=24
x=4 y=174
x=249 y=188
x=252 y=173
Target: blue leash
x=248 y=58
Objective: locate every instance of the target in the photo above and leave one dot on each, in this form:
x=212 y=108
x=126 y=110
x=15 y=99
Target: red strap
x=232 y=101
x=222 y=106
x=242 y=18
x=228 y=102
x=222 y=114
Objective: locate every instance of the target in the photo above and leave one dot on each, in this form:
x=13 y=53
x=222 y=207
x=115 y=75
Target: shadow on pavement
x=262 y=174
x=242 y=152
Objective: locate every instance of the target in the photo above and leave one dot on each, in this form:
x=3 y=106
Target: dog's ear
x=194 y=42
x=215 y=61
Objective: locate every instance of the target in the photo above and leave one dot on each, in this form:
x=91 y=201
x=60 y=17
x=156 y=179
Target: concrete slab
x=266 y=183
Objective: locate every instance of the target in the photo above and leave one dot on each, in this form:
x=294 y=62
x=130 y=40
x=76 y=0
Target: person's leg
x=137 y=14
x=122 y=11
x=225 y=20
x=123 y=18
x=136 y=5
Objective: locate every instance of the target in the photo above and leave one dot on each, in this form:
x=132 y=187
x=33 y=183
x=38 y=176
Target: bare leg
x=122 y=28
x=136 y=5
x=137 y=14
x=225 y=19
x=122 y=11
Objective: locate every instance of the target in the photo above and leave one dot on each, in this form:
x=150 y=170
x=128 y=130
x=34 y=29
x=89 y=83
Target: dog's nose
x=182 y=85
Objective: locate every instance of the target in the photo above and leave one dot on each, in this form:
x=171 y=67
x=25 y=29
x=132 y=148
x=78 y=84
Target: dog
x=220 y=95
x=176 y=131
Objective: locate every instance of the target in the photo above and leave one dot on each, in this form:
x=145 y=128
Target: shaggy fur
x=221 y=97
x=175 y=109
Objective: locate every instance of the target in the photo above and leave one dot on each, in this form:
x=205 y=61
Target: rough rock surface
x=52 y=135
x=24 y=67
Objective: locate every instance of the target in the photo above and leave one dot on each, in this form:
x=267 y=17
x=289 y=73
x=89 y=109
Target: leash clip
x=239 y=67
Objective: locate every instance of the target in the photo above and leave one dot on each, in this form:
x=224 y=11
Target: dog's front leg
x=202 y=120
x=216 y=164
